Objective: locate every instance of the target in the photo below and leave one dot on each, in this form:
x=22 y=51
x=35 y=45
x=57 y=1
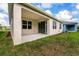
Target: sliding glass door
x=42 y=27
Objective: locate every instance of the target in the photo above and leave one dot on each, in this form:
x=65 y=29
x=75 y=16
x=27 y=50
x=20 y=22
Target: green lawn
x=62 y=44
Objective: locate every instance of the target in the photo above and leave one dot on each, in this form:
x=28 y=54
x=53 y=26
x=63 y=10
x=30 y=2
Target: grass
x=65 y=44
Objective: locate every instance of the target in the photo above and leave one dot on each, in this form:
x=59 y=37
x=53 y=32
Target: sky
x=62 y=11
x=4 y=18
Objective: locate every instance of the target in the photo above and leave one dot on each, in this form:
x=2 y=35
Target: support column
x=17 y=25
x=49 y=27
x=75 y=27
x=64 y=28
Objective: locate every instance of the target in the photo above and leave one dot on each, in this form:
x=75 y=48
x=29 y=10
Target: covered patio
x=33 y=23
x=70 y=27
x=38 y=25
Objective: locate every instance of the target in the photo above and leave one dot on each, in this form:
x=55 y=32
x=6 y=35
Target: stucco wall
x=17 y=25
x=52 y=31
x=57 y=30
x=34 y=29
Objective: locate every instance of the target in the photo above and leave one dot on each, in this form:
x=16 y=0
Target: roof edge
x=38 y=10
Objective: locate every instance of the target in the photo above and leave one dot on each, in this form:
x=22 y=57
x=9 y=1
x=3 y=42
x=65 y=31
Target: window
x=60 y=26
x=54 y=24
x=29 y=25
x=26 y=24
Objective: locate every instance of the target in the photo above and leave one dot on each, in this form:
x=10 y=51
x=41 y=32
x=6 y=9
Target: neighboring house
x=78 y=26
x=29 y=23
x=69 y=26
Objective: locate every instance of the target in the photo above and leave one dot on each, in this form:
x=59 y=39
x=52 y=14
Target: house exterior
x=69 y=26
x=29 y=23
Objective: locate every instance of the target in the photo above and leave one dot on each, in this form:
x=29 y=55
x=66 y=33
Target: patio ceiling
x=32 y=15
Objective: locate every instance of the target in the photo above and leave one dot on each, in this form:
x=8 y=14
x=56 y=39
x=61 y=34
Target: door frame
x=42 y=27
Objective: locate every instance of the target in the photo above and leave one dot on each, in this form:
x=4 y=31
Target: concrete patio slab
x=29 y=38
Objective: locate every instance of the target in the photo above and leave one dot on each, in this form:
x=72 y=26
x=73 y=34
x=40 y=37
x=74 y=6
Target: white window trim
x=27 y=24
x=54 y=24
x=60 y=26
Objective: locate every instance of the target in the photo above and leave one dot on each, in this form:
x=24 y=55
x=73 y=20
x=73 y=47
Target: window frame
x=23 y=24
x=27 y=24
x=60 y=26
x=54 y=24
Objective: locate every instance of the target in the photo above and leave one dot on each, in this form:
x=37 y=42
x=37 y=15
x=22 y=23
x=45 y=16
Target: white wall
x=57 y=30
x=50 y=29
x=17 y=25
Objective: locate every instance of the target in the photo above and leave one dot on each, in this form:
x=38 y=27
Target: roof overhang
x=42 y=12
x=68 y=22
x=32 y=15
x=28 y=5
